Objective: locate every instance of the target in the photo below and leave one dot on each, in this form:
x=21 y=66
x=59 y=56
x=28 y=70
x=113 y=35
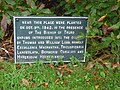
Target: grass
x=40 y=76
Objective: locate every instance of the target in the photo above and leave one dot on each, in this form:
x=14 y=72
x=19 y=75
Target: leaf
x=18 y=66
x=30 y=64
x=67 y=0
x=114 y=8
x=118 y=36
x=106 y=64
x=25 y=82
x=81 y=36
x=1 y=34
x=69 y=70
x=69 y=11
x=20 y=7
x=5 y=50
x=2 y=59
x=62 y=72
x=115 y=26
x=102 y=74
x=107 y=41
x=45 y=84
x=87 y=78
x=63 y=66
x=56 y=81
x=73 y=1
x=95 y=78
x=41 y=6
x=51 y=65
x=31 y=3
x=11 y=2
x=116 y=65
x=34 y=85
x=118 y=0
x=104 y=29
x=96 y=86
x=90 y=65
x=102 y=18
x=88 y=7
x=59 y=68
x=78 y=1
x=26 y=13
x=4 y=23
x=31 y=77
x=46 y=11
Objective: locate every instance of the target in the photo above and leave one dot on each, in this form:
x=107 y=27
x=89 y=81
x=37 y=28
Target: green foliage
x=23 y=8
x=99 y=37
x=74 y=60
x=12 y=8
x=38 y=74
x=102 y=74
x=1 y=34
x=103 y=31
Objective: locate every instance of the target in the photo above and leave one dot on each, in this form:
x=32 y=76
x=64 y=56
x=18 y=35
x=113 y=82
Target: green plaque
x=49 y=38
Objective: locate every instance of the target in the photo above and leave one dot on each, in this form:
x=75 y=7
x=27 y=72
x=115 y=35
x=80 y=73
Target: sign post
x=40 y=38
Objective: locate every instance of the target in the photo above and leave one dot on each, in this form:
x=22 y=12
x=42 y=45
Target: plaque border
x=15 y=46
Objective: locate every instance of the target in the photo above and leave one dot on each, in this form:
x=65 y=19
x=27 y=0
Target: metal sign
x=49 y=38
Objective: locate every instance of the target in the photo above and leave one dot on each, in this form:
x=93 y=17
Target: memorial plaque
x=44 y=38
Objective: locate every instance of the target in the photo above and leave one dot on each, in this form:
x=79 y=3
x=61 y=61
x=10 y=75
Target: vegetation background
x=102 y=68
